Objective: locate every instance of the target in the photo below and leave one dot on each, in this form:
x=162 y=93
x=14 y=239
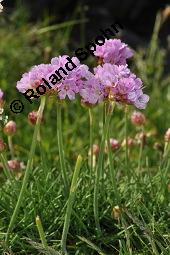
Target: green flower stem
x=105 y=108
x=41 y=232
x=61 y=149
x=99 y=168
x=166 y=149
x=91 y=141
x=126 y=136
x=140 y=151
x=27 y=172
x=11 y=148
x=111 y=166
x=127 y=170
x=70 y=204
x=6 y=169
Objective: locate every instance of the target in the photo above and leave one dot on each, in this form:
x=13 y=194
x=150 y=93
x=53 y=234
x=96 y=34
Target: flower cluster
x=114 y=52
x=112 y=80
x=34 y=77
x=121 y=85
x=72 y=83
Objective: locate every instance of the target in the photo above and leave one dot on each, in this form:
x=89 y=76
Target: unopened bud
x=1 y=94
x=95 y=149
x=10 y=128
x=138 y=118
x=14 y=165
x=32 y=117
x=130 y=142
x=114 y=144
x=116 y=212
x=167 y=135
x=141 y=138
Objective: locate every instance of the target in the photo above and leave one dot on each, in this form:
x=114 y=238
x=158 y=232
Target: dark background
x=137 y=16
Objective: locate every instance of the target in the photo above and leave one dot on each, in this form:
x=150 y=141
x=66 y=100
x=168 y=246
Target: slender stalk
x=41 y=232
x=10 y=144
x=111 y=166
x=5 y=166
x=141 y=151
x=105 y=108
x=112 y=169
x=61 y=148
x=70 y=205
x=166 y=149
x=27 y=172
x=126 y=136
x=91 y=141
x=99 y=169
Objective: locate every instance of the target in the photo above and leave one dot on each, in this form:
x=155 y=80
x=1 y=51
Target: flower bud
x=14 y=165
x=116 y=212
x=130 y=142
x=3 y=145
x=114 y=144
x=167 y=135
x=138 y=118
x=1 y=94
x=95 y=150
x=10 y=128
x=141 y=138
x=32 y=117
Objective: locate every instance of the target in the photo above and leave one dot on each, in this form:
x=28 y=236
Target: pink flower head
x=92 y=91
x=113 y=51
x=33 y=78
x=121 y=85
x=72 y=80
x=138 y=118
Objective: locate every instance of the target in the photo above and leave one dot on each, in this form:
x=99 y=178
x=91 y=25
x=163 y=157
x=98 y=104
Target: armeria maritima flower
x=113 y=51
x=92 y=91
x=121 y=85
x=72 y=80
x=33 y=78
